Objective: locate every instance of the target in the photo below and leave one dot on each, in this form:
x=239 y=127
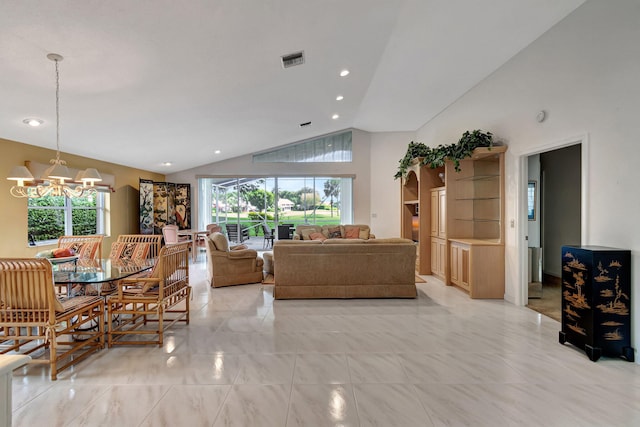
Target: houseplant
x=436 y=157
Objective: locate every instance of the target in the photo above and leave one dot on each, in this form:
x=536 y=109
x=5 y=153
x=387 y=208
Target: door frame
x=523 y=179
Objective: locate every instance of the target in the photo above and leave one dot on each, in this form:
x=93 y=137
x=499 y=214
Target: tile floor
x=247 y=360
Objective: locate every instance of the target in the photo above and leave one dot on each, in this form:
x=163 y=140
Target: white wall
x=386 y=151
x=585 y=73
x=244 y=166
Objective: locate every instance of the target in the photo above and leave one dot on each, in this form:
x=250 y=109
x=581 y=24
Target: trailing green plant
x=437 y=157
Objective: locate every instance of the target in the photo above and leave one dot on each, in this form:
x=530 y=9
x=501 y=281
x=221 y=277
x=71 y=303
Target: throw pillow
x=364 y=233
x=351 y=232
x=306 y=234
x=122 y=250
x=334 y=232
x=141 y=252
x=317 y=236
x=83 y=250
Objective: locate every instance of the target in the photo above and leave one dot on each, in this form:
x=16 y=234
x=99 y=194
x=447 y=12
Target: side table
x=8 y=362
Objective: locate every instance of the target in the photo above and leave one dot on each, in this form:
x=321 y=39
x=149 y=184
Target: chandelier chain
x=57 y=111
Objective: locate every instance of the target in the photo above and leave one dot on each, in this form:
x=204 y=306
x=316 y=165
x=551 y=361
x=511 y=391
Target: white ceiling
x=149 y=81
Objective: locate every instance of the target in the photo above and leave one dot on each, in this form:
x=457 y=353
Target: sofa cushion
x=340 y=241
x=301 y=230
x=317 y=236
x=351 y=232
x=219 y=241
x=333 y=232
x=389 y=240
x=306 y=233
x=363 y=229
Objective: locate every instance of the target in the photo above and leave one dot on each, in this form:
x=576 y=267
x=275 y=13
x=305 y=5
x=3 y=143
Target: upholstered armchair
x=231 y=265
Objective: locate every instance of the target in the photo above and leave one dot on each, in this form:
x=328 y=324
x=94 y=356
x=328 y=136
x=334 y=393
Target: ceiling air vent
x=292 y=59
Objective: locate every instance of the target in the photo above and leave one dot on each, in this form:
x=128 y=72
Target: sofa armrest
x=242 y=254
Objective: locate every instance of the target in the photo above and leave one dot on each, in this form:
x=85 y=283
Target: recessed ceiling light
x=33 y=122
x=344 y=73
x=166 y=164
x=339 y=98
x=335 y=116
x=217 y=152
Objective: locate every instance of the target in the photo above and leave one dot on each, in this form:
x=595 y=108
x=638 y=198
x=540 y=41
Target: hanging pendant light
x=57 y=180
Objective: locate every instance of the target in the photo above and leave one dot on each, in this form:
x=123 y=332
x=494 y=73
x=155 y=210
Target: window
x=327 y=149
x=54 y=216
x=275 y=200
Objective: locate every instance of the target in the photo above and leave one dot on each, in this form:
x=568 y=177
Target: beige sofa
x=345 y=268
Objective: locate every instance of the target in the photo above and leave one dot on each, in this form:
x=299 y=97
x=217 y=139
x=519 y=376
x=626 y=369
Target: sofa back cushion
x=333 y=231
x=317 y=236
x=363 y=230
x=219 y=241
x=304 y=231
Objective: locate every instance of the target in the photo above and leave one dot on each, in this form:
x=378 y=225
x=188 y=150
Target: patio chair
x=36 y=323
x=170 y=234
x=234 y=235
x=143 y=300
x=212 y=228
x=268 y=236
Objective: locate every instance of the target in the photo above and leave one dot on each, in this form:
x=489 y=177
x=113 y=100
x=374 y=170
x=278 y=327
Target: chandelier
x=56 y=180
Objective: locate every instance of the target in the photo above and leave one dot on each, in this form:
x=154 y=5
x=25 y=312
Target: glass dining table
x=91 y=276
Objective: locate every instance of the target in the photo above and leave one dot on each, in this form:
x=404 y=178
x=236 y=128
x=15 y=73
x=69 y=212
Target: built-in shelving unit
x=475 y=202
x=416 y=208
x=458 y=224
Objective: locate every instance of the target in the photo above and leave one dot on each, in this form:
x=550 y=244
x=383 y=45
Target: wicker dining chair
x=33 y=321
x=143 y=300
x=86 y=247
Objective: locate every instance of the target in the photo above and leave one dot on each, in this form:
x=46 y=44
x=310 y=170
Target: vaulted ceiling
x=151 y=81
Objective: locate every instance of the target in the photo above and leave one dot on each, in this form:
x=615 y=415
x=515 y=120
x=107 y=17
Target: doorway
x=554 y=217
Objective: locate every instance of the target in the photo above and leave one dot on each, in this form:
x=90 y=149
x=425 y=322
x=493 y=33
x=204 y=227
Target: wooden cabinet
x=475 y=223
x=438 y=231
x=477 y=266
x=439 y=257
x=460 y=264
x=439 y=212
x=596 y=300
x=416 y=211
x=458 y=224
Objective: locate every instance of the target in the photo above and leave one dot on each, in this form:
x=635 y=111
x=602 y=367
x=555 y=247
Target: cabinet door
x=434 y=257
x=460 y=265
x=442 y=213
x=464 y=273
x=435 y=210
x=455 y=264
x=442 y=257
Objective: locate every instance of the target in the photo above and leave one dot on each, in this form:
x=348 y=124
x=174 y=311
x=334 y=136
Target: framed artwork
x=532 y=194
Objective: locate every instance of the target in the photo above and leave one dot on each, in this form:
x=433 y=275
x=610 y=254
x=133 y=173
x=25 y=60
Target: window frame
x=101 y=209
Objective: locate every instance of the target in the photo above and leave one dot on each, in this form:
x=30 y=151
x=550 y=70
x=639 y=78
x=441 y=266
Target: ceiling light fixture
x=344 y=73
x=166 y=164
x=339 y=98
x=217 y=152
x=33 y=122
x=55 y=176
x=335 y=116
